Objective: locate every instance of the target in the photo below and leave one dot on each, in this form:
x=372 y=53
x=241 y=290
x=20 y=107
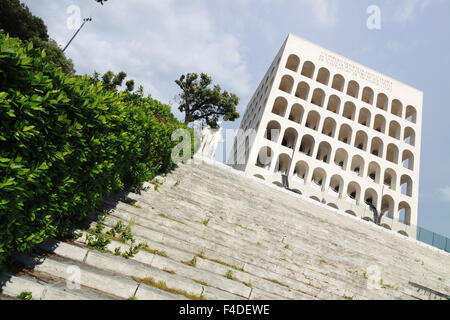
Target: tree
x=111 y=81
x=17 y=20
x=376 y=215
x=200 y=102
x=55 y=54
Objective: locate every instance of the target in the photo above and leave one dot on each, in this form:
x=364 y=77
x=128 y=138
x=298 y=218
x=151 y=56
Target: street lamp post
x=84 y=21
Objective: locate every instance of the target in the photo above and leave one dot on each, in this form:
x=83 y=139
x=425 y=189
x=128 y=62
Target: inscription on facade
x=355 y=70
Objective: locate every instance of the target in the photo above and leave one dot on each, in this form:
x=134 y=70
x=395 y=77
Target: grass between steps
x=163 y=286
x=277 y=282
x=227 y=265
x=132 y=203
x=162 y=215
x=245 y=228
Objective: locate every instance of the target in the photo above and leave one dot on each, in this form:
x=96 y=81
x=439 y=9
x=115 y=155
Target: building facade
x=341 y=133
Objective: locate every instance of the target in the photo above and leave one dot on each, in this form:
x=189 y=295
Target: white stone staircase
x=213 y=233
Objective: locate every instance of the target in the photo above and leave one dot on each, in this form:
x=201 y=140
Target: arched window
x=380 y=123
x=265 y=156
x=336 y=185
x=364 y=117
x=318 y=97
x=410 y=136
x=333 y=205
x=353 y=89
x=406 y=185
x=308 y=69
x=387 y=206
x=341 y=158
x=394 y=130
x=323 y=76
x=287 y=82
x=313 y=120
x=392 y=153
x=329 y=127
x=280 y=106
x=301 y=170
x=290 y=138
x=390 y=179
x=293 y=63
x=273 y=131
x=374 y=172
x=371 y=197
x=318 y=179
x=367 y=96
x=296 y=114
x=349 y=110
x=345 y=134
x=283 y=163
x=411 y=114
x=357 y=165
x=397 y=108
x=376 y=147
x=338 y=83
x=307 y=145
x=302 y=91
x=334 y=104
x=353 y=192
x=350 y=212
x=408 y=160
x=324 y=152
x=404 y=213
x=382 y=101
x=361 y=140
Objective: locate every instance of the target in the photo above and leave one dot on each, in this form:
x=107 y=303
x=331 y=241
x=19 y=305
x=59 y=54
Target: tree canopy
x=17 y=20
x=199 y=101
x=111 y=81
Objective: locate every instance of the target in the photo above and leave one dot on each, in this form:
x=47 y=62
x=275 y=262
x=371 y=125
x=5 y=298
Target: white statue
x=214 y=142
x=205 y=138
x=210 y=138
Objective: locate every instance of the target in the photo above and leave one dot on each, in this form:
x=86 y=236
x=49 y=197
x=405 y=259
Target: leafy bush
x=65 y=143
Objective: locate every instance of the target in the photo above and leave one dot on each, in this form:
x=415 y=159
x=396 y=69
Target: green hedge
x=65 y=143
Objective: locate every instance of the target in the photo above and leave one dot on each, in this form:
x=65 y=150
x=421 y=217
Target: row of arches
x=337 y=82
x=373 y=171
x=393 y=129
x=307 y=145
x=352 y=192
x=348 y=111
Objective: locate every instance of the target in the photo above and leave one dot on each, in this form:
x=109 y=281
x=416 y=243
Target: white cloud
x=408 y=10
x=155 y=42
x=445 y=194
x=325 y=11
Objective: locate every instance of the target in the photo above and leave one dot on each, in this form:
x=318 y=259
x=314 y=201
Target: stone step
x=145 y=265
x=127 y=216
x=93 y=278
x=140 y=210
x=395 y=238
x=204 y=268
x=13 y=286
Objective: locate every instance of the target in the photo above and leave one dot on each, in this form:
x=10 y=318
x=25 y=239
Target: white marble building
x=343 y=134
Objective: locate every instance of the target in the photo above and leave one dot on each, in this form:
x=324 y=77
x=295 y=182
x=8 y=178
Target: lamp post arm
x=70 y=41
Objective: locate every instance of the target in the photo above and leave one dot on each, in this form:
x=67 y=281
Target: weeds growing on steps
x=25 y=295
x=120 y=232
x=163 y=286
x=191 y=263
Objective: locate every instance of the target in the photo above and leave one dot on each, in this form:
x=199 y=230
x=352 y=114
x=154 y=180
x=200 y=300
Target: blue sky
x=235 y=41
